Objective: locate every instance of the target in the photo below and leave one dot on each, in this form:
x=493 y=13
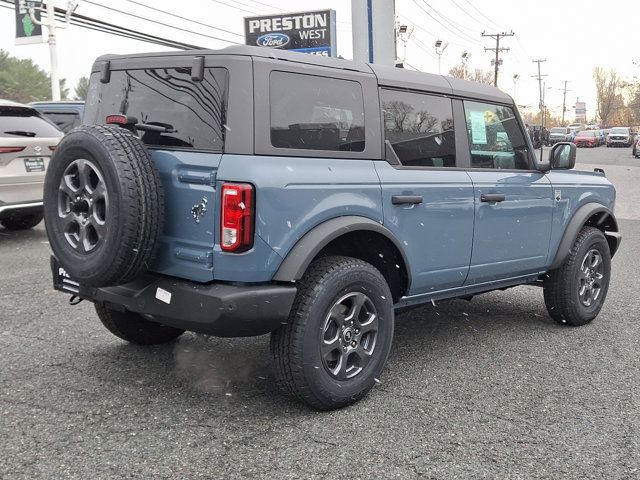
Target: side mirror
x=563 y=156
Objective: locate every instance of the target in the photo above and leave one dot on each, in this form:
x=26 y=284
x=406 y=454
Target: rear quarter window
x=193 y=113
x=316 y=113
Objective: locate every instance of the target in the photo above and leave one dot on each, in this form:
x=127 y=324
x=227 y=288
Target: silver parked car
x=27 y=140
x=620 y=137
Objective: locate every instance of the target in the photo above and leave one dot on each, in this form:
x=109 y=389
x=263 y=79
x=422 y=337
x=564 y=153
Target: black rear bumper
x=218 y=309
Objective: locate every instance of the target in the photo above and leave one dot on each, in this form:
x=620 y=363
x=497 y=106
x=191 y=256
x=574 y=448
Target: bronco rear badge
x=199 y=209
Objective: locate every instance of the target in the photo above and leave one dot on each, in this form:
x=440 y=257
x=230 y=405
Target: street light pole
x=516 y=77
x=465 y=59
x=53 y=51
x=440 y=48
x=51 y=25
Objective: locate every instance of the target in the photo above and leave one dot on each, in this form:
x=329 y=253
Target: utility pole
x=564 y=100
x=51 y=25
x=497 y=62
x=539 y=77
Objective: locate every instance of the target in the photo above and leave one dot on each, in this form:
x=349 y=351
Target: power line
x=100 y=26
x=482 y=14
x=458 y=27
x=497 y=49
x=267 y=5
x=158 y=22
x=439 y=22
x=234 y=6
x=184 y=18
x=467 y=13
x=424 y=48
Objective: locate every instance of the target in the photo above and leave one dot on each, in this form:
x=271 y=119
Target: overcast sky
x=574 y=37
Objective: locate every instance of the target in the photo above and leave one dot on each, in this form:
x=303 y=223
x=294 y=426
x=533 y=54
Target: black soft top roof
x=387 y=76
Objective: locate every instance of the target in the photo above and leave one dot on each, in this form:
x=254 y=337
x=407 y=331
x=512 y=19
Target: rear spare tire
x=103 y=205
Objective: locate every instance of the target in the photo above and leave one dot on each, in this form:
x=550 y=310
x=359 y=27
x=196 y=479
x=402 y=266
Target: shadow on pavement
x=200 y=370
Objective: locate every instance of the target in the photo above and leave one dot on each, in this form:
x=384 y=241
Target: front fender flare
x=576 y=223
x=308 y=247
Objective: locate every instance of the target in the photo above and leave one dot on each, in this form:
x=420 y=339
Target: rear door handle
x=492 y=197
x=402 y=199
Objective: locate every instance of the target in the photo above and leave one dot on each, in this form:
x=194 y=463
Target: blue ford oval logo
x=273 y=40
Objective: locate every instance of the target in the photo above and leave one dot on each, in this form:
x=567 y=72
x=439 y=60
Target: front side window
x=495 y=137
x=190 y=114
x=419 y=128
x=316 y=113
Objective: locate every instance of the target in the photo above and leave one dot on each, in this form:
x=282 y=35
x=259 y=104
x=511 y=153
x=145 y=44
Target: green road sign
x=27 y=31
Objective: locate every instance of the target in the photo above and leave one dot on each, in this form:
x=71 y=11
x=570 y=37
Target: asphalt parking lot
x=491 y=388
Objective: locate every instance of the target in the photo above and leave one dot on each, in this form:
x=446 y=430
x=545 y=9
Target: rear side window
x=25 y=122
x=191 y=113
x=495 y=137
x=65 y=121
x=419 y=128
x=316 y=113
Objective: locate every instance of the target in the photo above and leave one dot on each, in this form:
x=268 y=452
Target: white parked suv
x=27 y=140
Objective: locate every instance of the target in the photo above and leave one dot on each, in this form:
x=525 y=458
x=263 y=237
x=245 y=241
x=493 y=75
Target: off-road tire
x=562 y=285
x=133 y=328
x=21 y=221
x=135 y=211
x=295 y=346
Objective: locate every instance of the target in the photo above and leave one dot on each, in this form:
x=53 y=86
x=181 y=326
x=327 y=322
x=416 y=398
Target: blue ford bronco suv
x=248 y=191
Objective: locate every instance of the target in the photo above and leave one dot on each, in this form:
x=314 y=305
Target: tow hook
x=75 y=300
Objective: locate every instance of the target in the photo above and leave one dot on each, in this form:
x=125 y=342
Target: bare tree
x=609 y=98
x=424 y=122
x=478 y=75
x=399 y=112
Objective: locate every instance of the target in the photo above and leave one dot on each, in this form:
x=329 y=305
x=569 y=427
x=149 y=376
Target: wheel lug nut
x=353 y=344
x=357 y=331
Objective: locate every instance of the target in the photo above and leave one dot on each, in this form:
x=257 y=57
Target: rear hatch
x=186 y=150
x=27 y=141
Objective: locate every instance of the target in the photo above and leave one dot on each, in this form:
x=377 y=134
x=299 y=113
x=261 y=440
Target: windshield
x=587 y=134
x=619 y=130
x=558 y=130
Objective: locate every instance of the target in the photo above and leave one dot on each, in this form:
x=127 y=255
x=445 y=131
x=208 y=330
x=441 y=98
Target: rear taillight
x=236 y=222
x=11 y=149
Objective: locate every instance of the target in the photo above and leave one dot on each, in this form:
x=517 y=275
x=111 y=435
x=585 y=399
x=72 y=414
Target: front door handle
x=402 y=199
x=492 y=197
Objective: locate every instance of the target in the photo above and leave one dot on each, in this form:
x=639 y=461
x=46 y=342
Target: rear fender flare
x=312 y=243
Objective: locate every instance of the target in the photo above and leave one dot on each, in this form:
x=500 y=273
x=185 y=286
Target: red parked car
x=586 y=138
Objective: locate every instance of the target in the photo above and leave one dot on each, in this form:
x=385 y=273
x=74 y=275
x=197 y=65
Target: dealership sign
x=306 y=32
